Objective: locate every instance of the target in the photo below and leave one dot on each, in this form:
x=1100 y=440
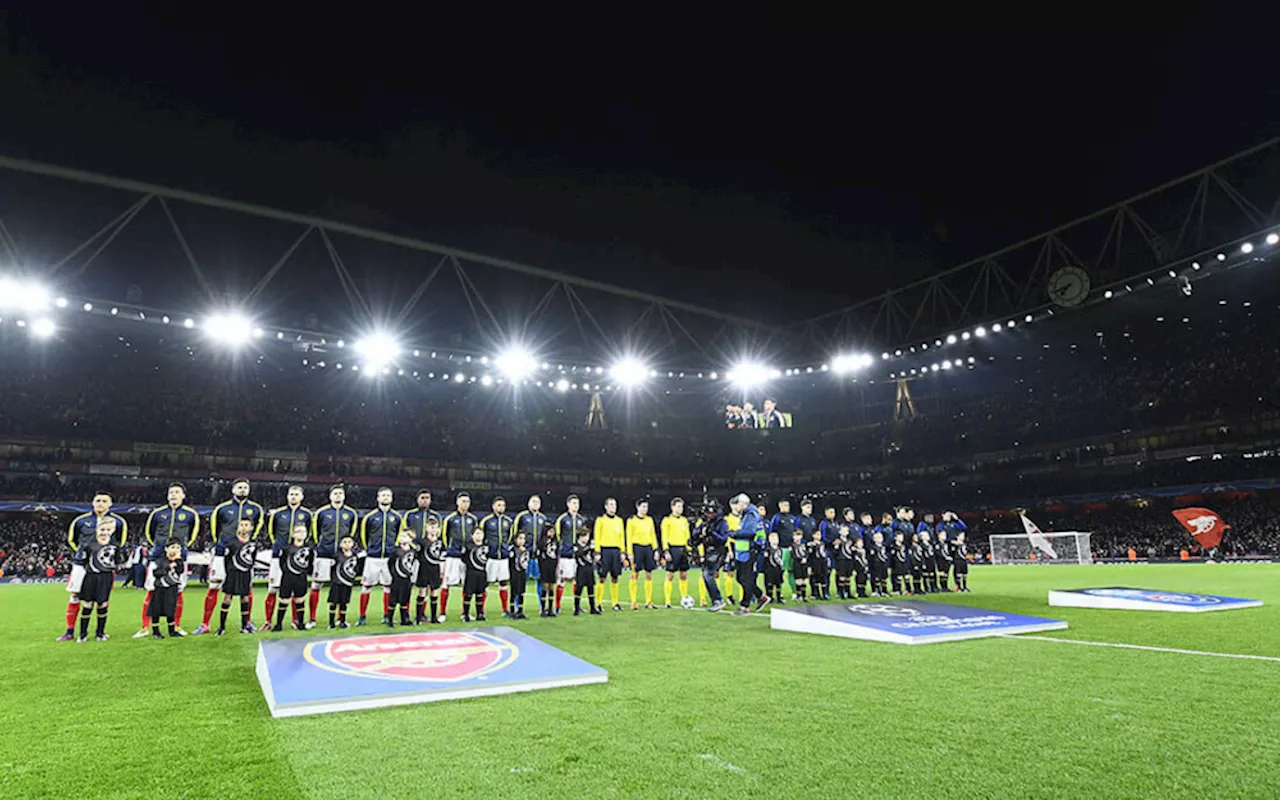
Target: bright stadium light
x=23 y=295
x=562 y=385
x=629 y=372
x=980 y=332
x=1273 y=238
x=515 y=363
x=1246 y=248
x=232 y=330
x=850 y=362
x=951 y=338
x=378 y=349
x=43 y=328
x=748 y=375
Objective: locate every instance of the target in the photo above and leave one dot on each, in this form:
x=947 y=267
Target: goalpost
x=1070 y=547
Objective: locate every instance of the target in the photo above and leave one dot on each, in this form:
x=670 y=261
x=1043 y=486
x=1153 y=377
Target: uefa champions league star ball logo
x=437 y=657
x=883 y=610
x=1157 y=597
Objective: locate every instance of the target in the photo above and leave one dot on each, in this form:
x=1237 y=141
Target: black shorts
x=164 y=603
x=799 y=571
x=547 y=569
x=401 y=591
x=96 y=587
x=476 y=581
x=679 y=559
x=773 y=576
x=428 y=575
x=844 y=568
x=586 y=576
x=642 y=559
x=293 y=585
x=339 y=594
x=237 y=584
x=610 y=562
x=943 y=566
x=961 y=567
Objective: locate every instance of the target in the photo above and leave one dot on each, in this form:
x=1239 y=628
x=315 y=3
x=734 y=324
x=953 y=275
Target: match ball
x=686 y=602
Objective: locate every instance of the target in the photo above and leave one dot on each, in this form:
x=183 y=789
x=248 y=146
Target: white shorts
x=322 y=570
x=568 y=569
x=217 y=570
x=76 y=579
x=274 y=574
x=497 y=569
x=454 y=571
x=376 y=572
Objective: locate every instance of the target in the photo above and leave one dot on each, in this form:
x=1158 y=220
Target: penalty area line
x=1149 y=648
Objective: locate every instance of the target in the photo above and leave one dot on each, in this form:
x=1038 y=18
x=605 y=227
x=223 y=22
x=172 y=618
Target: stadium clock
x=1069 y=287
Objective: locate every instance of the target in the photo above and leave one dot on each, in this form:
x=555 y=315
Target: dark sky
x=657 y=153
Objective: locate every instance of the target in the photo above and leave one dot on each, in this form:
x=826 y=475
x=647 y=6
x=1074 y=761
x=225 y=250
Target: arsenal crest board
x=316 y=676
x=1127 y=598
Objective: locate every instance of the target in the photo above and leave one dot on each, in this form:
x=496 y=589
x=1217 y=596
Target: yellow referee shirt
x=675 y=531
x=608 y=531
x=640 y=530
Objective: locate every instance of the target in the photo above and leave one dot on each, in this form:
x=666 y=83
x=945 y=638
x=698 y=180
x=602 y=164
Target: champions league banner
x=1126 y=598
x=907 y=622
x=317 y=676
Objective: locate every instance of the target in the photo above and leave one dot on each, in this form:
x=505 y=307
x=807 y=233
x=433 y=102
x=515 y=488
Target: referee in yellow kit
x=642 y=538
x=609 y=537
x=675 y=548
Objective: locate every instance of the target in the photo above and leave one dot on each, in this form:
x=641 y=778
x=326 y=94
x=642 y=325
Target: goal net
x=1071 y=547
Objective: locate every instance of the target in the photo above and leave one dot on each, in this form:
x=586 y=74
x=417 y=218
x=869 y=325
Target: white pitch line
x=1179 y=651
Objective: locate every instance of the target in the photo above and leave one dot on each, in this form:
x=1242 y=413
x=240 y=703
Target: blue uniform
x=225 y=520
x=181 y=524
x=280 y=522
x=457 y=529
x=806 y=524
x=329 y=525
x=84 y=529
x=416 y=523
x=378 y=532
x=497 y=535
x=568 y=526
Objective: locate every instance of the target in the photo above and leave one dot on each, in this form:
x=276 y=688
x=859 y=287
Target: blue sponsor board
x=315 y=676
x=1127 y=598
x=907 y=622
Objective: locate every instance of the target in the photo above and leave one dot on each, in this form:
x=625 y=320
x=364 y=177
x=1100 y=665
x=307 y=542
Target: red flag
x=1205 y=525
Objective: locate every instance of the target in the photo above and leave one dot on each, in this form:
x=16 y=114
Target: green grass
x=697 y=705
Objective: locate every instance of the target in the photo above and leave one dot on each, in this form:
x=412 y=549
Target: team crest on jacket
x=433 y=656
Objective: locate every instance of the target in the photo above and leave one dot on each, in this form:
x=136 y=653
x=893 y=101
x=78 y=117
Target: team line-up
x=424 y=553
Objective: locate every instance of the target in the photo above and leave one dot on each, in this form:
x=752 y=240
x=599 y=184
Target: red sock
x=314 y=600
x=505 y=596
x=386 y=603
x=364 y=603
x=146 y=606
x=177 y=611
x=271 y=608
x=210 y=603
x=444 y=600
x=73 y=613
x=559 y=594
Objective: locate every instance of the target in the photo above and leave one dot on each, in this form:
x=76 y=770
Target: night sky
x=816 y=165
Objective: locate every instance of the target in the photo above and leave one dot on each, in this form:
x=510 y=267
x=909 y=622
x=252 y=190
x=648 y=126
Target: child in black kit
x=917 y=565
x=296 y=561
x=476 y=580
x=548 y=563
x=242 y=553
x=819 y=572
x=898 y=563
x=860 y=567
x=345 y=576
x=879 y=562
x=843 y=546
x=170 y=573
x=430 y=561
x=800 y=565
x=519 y=576
x=404 y=568
x=585 y=557
x=101 y=559
x=773 y=567
x=927 y=563
x=960 y=562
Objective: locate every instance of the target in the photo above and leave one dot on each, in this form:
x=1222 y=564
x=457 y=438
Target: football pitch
x=697 y=705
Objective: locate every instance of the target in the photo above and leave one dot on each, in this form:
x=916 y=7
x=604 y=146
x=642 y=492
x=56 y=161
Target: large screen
x=749 y=416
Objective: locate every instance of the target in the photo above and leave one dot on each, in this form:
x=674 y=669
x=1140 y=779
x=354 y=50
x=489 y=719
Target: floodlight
x=629 y=372
x=515 y=363
x=378 y=349
x=748 y=375
x=229 y=329
x=43 y=328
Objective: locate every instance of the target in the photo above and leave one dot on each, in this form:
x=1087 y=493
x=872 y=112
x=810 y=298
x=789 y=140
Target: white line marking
x=717 y=761
x=1180 y=651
